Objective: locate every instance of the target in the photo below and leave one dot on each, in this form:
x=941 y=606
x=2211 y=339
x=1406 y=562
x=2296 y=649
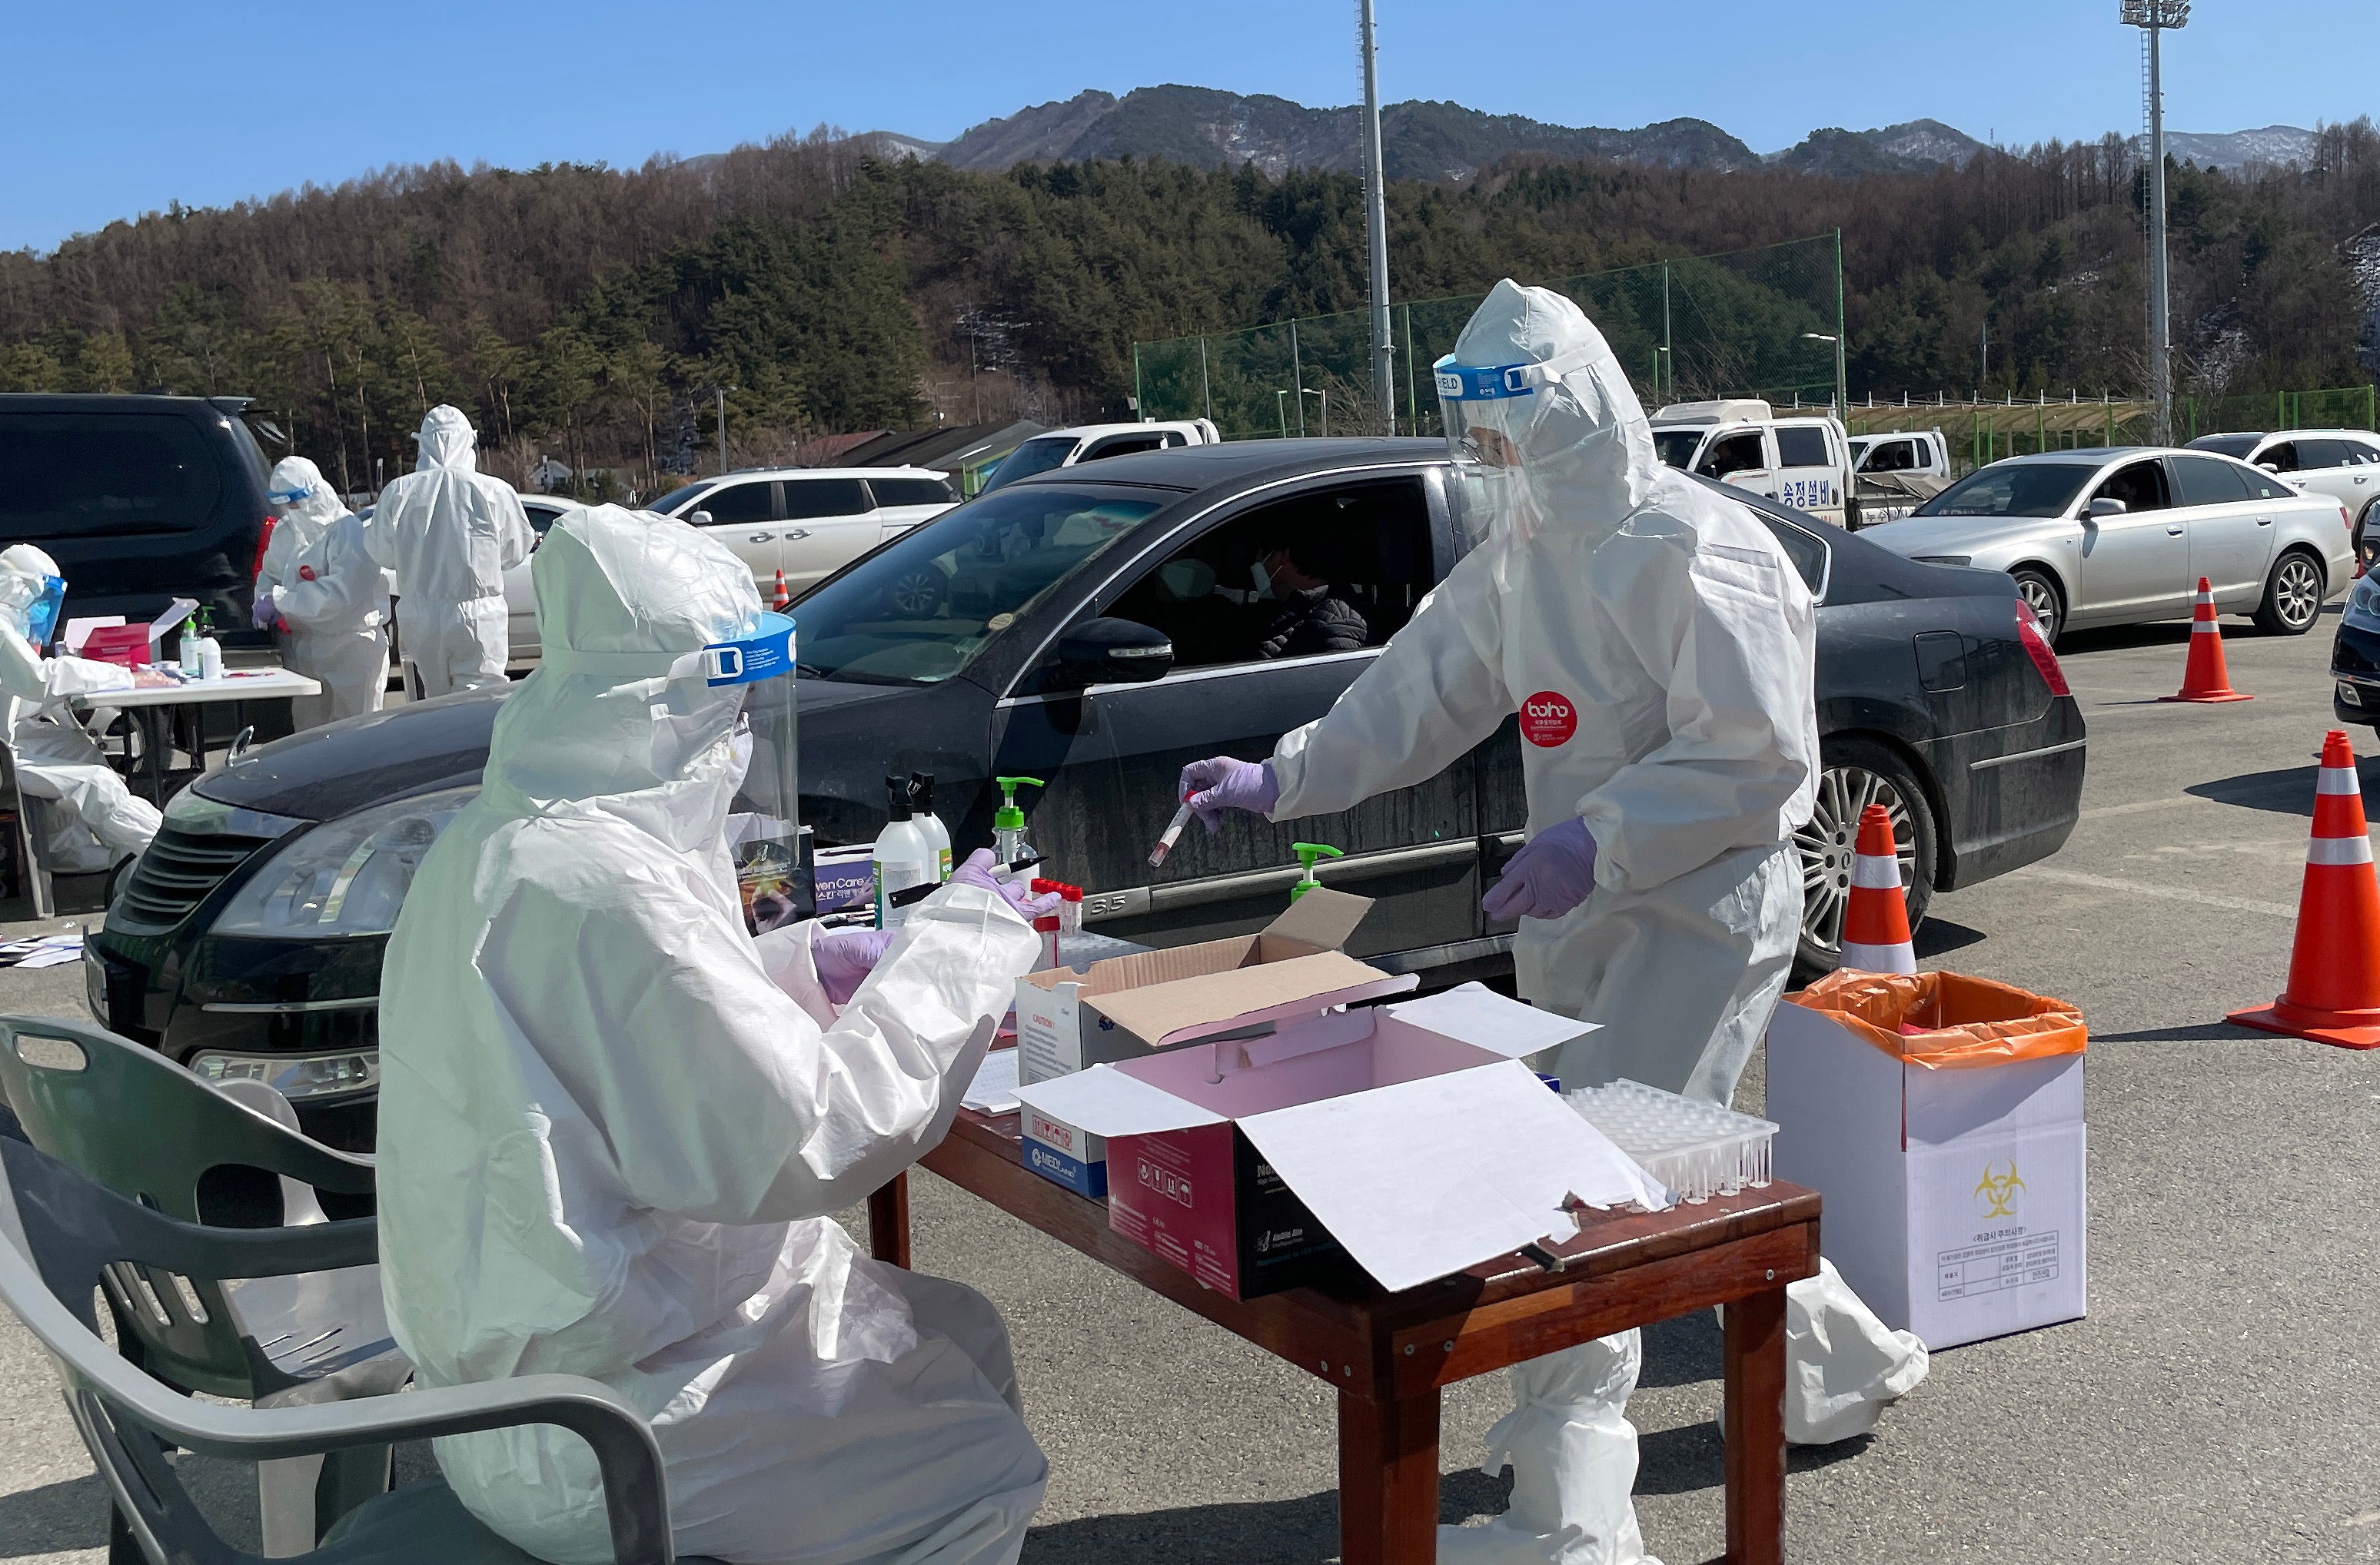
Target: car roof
x=819 y=473
x=111 y=402
x=1195 y=467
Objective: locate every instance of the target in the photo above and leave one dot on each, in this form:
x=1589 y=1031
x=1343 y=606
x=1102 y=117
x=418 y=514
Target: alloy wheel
x=2297 y=591
x=2040 y=597
x=1830 y=840
x=917 y=594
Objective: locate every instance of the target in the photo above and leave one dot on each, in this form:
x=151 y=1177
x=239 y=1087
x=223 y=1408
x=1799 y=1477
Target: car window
x=2362 y=453
x=1332 y=570
x=2226 y=445
x=2012 y=489
x=736 y=504
x=2140 y=485
x=1124 y=445
x=919 y=610
x=66 y=475
x=912 y=491
x=807 y=499
x=1807 y=551
x=1803 y=445
x=1676 y=447
x=668 y=504
x=1042 y=455
x=2209 y=481
x=1736 y=453
x=1893 y=457
x=2314 y=454
x=2263 y=486
x=2281 y=456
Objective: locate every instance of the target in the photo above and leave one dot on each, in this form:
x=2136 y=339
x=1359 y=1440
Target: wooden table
x=1389 y=1354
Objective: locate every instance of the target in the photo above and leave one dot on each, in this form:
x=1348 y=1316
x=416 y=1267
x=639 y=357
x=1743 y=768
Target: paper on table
x=1478 y=1014
x=993 y=1091
x=1427 y=1177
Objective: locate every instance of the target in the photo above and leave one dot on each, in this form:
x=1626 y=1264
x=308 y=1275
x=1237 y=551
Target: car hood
x=1913 y=536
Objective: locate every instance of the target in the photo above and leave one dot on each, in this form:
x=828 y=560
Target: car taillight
x=2037 y=646
x=256 y=566
x=2344 y=519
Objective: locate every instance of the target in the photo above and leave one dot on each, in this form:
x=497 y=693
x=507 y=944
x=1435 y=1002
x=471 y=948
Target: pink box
x=124 y=644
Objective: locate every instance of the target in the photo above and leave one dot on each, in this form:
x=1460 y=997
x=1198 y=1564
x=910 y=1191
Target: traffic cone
x=784 y=599
x=2334 y=990
x=1876 y=922
x=2204 y=679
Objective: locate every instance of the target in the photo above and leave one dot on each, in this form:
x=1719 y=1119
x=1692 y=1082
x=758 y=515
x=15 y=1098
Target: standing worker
x=615 y=1125
x=57 y=761
x=324 y=595
x=450 y=532
x=1659 y=653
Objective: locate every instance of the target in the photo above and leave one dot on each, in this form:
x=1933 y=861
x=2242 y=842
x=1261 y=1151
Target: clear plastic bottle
x=1007 y=844
x=904 y=856
x=202 y=653
x=921 y=798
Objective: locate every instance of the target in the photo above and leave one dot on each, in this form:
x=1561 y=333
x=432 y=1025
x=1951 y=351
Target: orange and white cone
x=783 y=600
x=1876 y=921
x=2203 y=678
x=2332 y=994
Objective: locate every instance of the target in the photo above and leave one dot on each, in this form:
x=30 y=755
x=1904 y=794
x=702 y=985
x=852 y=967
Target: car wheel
x=1854 y=773
x=2041 y=595
x=2293 y=595
x=914 y=595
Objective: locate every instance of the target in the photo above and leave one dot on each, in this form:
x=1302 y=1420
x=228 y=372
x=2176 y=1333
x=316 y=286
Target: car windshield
x=2012 y=489
x=919 y=610
x=2227 y=445
x=1677 y=447
x=1032 y=456
x=678 y=496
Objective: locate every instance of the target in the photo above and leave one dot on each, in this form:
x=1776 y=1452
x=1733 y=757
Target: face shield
x=764 y=839
x=41 y=614
x=1491 y=413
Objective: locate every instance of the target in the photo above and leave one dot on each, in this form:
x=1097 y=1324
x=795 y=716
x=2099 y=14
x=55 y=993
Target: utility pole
x=723 y=430
x=1376 y=219
x=2152 y=17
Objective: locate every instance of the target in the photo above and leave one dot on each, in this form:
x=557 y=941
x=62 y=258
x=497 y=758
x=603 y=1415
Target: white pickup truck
x=1089 y=442
x=1799 y=459
x=1895 y=471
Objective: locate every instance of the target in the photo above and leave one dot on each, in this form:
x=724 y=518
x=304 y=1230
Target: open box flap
x=1322 y=919
x=1480 y=1017
x=1104 y=1101
x=1188 y=1009
x=1428 y=1177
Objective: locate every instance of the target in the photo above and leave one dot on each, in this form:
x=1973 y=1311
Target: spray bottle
x=202 y=653
x=921 y=795
x=1306 y=853
x=903 y=855
x=1007 y=844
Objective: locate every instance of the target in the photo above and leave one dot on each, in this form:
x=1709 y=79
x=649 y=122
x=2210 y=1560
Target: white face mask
x=739 y=754
x=1263 y=579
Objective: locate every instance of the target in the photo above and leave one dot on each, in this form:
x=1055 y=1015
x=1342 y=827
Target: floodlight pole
x=1375 y=220
x=2152 y=17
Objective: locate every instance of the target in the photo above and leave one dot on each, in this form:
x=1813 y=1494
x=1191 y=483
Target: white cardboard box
x=1955 y=1199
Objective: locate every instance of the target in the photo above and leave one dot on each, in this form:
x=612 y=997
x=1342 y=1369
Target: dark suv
x=140 y=500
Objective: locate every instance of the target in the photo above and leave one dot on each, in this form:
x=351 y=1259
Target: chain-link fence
x=1757 y=322
x=1979 y=433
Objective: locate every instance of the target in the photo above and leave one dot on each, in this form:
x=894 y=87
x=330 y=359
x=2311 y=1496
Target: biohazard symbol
x=1998 y=1191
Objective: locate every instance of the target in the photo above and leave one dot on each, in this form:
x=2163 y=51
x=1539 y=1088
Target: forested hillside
x=592 y=312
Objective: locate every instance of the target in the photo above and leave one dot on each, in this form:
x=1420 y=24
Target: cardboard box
x=1406 y=1139
x=845 y=878
x=1955 y=1199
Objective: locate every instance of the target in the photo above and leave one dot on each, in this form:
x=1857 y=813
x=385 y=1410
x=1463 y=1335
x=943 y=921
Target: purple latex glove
x=1213 y=786
x=1551 y=874
x=845 y=958
x=978 y=872
x=265 y=613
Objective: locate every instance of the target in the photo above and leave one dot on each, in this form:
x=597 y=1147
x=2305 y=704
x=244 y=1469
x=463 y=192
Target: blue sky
x=115 y=109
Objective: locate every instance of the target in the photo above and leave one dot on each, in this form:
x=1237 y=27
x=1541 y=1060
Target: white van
x=1799 y=459
x=1089 y=442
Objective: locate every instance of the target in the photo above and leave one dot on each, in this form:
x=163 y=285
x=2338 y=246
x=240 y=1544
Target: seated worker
x=1299 y=617
x=614 y=1123
x=91 y=820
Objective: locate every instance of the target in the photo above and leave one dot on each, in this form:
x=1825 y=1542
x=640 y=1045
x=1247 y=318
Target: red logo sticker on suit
x=305 y=573
x=1548 y=720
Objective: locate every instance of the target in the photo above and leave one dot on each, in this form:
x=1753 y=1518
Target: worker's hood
x=299 y=491
x=447 y=441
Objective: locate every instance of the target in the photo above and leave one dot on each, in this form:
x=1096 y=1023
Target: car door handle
x=797 y=532
x=2263 y=521
x=758 y=537
x=2173 y=532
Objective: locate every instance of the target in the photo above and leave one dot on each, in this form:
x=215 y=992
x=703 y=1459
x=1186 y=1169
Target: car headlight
x=295 y=1076
x=2363 y=605
x=1941 y=558
x=345 y=877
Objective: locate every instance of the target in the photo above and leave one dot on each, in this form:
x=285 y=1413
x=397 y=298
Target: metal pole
x=1281 y=408
x=1669 y=343
x=1412 y=406
x=1138 y=411
x=1206 y=387
x=2160 y=344
x=1297 y=376
x=722 y=429
x=1375 y=217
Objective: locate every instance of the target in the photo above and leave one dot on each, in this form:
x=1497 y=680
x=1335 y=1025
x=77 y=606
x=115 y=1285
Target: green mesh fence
x=1979 y=433
x=1757 y=322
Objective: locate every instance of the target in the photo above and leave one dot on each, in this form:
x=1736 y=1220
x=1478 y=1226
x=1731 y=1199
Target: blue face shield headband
x=41 y=616
x=281 y=499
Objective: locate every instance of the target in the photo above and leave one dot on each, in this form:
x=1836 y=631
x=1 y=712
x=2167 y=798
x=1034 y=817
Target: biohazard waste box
x=1941 y=1118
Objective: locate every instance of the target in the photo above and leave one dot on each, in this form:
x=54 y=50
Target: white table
x=262 y=684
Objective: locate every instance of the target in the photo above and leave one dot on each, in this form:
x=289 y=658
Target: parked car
x=2342 y=463
x=2355 y=656
x=1921 y=451
x=1937 y=698
x=140 y=500
x=2121 y=537
x=808 y=522
x=1802 y=459
x=520 y=596
x=1093 y=442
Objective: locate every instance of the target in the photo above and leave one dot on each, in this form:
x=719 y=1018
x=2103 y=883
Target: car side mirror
x=1103 y=651
x=700 y=519
x=2102 y=505
x=2272 y=467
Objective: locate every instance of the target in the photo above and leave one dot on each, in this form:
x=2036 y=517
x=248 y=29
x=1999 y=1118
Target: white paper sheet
x=1427 y=1177
x=1104 y=1101
x=993 y=1091
x=1478 y=1014
x=78 y=630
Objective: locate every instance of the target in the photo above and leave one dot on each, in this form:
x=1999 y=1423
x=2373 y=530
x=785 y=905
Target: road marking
x=2166 y=893
x=2139 y=806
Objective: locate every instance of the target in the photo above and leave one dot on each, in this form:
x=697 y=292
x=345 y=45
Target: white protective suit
x=613 y=1124
x=450 y=532
x=1664 y=651
x=89 y=820
x=330 y=596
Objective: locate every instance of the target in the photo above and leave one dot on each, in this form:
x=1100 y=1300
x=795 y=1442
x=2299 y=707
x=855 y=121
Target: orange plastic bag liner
x=1948 y=1021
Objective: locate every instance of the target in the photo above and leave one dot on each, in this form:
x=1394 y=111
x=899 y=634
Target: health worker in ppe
x=323 y=596
x=450 y=532
x=89 y=820
x=1657 y=649
x=614 y=1123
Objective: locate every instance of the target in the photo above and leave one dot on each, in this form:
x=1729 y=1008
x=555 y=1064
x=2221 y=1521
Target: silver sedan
x=2118 y=537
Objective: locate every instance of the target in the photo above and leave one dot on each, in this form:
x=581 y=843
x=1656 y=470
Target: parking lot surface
x=2214 y=1405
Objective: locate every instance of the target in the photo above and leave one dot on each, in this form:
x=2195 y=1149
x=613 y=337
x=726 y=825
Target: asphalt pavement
x=2214 y=1405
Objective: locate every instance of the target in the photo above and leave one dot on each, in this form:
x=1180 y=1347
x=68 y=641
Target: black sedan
x=1098 y=633
x=2355 y=656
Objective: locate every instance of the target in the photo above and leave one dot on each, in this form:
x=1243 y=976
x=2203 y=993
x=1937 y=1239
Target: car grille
x=177 y=872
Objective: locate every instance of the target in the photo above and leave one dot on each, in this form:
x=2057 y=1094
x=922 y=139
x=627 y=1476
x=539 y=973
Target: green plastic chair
x=138 y=1124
